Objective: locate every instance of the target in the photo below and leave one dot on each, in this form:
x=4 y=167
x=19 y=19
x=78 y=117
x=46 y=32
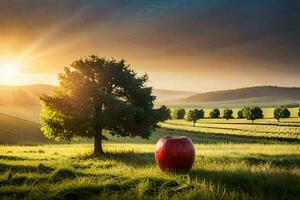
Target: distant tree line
x=250 y=113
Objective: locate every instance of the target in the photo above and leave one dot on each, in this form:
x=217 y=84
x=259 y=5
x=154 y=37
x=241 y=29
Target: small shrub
x=215 y=113
x=281 y=112
x=240 y=114
x=163 y=113
x=228 y=114
x=194 y=115
x=253 y=113
x=178 y=114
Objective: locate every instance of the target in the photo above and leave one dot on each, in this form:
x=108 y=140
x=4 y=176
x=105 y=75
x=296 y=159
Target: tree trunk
x=98 y=151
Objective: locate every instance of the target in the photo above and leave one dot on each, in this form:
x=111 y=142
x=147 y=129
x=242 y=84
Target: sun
x=9 y=71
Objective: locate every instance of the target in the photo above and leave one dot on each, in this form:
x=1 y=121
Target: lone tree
x=215 y=113
x=194 y=115
x=240 y=114
x=97 y=94
x=253 y=113
x=281 y=112
x=228 y=114
x=178 y=114
x=299 y=113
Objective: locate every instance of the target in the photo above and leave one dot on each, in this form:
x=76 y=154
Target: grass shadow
x=25 y=168
x=133 y=158
x=17 y=168
x=4 y=157
x=287 y=162
x=282 y=161
x=130 y=158
x=129 y=188
x=272 y=185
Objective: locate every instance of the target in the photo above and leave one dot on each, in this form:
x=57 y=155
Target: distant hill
x=29 y=113
x=165 y=95
x=18 y=131
x=28 y=95
x=263 y=95
x=244 y=93
x=23 y=95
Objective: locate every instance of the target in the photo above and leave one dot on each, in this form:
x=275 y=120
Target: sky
x=187 y=45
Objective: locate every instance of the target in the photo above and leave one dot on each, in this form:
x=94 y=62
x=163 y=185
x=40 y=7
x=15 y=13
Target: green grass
x=226 y=167
x=240 y=129
x=235 y=159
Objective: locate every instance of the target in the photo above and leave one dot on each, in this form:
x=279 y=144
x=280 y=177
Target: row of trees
x=250 y=113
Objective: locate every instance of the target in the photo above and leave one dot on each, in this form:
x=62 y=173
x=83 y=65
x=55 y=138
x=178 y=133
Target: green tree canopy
x=240 y=114
x=178 y=113
x=253 y=113
x=299 y=113
x=215 y=113
x=281 y=112
x=194 y=115
x=97 y=94
x=228 y=114
x=163 y=113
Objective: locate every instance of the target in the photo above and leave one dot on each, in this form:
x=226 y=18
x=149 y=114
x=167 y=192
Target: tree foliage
x=228 y=114
x=178 y=114
x=253 y=113
x=194 y=115
x=299 y=113
x=96 y=94
x=215 y=113
x=281 y=112
x=163 y=113
x=240 y=114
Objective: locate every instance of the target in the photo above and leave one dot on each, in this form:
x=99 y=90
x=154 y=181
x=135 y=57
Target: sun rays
x=21 y=64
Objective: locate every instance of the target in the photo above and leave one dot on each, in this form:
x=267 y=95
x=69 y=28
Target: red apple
x=175 y=153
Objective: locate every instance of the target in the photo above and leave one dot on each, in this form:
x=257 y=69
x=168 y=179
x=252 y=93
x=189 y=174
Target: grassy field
x=235 y=159
x=239 y=129
x=230 y=164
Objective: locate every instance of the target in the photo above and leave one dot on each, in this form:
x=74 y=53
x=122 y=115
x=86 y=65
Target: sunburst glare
x=9 y=72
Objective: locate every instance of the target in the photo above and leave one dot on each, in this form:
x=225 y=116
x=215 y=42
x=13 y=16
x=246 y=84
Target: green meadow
x=234 y=160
